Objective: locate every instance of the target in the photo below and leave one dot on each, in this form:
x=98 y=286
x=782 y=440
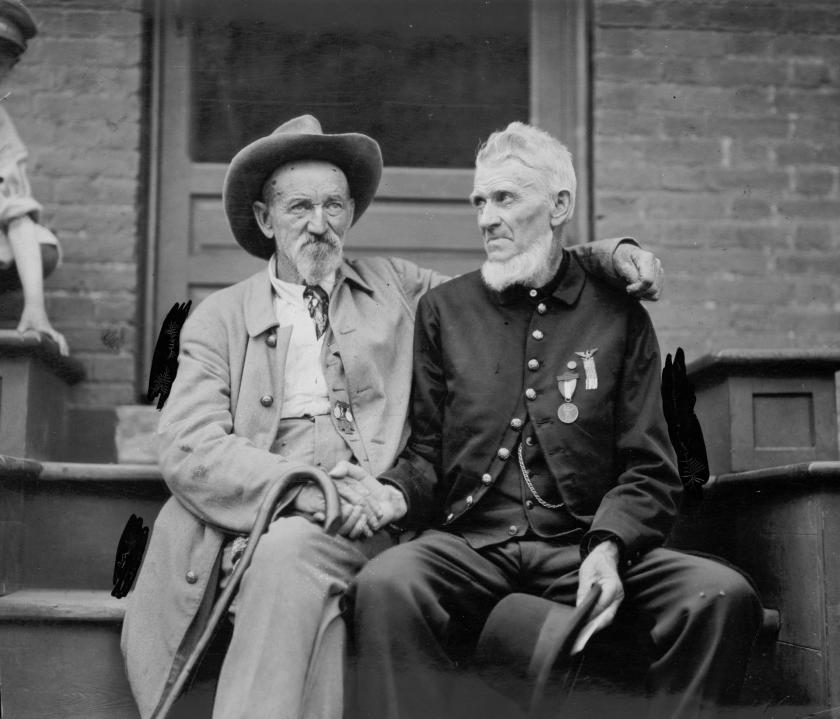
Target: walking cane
x=264 y=515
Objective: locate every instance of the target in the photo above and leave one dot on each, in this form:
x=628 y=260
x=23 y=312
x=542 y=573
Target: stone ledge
x=43 y=349
x=68 y=605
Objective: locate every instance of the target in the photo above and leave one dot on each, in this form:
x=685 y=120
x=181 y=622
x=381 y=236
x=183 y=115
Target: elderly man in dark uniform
x=540 y=457
x=306 y=362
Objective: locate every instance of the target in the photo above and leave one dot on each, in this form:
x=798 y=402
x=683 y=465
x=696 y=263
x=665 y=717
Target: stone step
x=60 y=522
x=60 y=657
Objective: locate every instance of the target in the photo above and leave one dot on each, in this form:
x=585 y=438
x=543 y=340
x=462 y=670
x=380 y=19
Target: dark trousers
x=419 y=607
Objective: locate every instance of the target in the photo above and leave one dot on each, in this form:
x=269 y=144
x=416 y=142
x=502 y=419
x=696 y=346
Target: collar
x=348 y=272
x=293 y=291
x=259 y=297
x=565 y=287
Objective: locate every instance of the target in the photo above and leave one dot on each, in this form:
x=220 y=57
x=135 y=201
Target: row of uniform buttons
x=534 y=363
x=541 y=308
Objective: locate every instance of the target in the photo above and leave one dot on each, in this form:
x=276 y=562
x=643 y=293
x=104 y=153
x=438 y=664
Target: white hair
x=536 y=149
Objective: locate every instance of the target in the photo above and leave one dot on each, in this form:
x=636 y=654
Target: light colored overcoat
x=216 y=430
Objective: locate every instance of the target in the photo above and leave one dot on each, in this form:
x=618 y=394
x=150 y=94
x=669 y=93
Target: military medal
x=589 y=367
x=567 y=412
x=566 y=383
x=343 y=416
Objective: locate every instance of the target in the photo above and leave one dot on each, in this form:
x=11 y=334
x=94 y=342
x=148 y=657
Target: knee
x=728 y=594
x=287 y=543
x=741 y=598
x=386 y=582
x=49 y=259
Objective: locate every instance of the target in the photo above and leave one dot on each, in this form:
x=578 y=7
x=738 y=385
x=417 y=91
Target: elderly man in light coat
x=306 y=362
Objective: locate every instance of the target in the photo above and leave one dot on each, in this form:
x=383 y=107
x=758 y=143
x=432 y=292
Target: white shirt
x=305 y=390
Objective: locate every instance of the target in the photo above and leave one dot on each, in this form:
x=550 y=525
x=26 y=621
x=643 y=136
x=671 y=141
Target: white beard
x=534 y=267
x=315 y=262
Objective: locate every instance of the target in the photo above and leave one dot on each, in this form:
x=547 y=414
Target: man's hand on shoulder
x=640 y=269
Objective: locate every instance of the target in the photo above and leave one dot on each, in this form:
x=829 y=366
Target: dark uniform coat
x=486 y=362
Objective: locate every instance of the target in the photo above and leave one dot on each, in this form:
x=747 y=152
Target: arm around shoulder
x=623 y=263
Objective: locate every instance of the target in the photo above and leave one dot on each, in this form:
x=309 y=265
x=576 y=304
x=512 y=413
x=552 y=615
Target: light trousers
x=286 y=656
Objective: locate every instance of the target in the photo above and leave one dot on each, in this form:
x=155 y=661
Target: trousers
x=419 y=607
x=286 y=656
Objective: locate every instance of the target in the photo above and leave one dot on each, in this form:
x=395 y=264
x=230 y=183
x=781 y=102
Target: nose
x=317 y=225
x=488 y=218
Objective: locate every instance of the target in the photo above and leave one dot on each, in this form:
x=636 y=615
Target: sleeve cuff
x=593 y=539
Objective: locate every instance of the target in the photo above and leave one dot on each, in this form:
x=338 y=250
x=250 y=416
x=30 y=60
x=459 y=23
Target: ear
x=561 y=209
x=351 y=205
x=263 y=218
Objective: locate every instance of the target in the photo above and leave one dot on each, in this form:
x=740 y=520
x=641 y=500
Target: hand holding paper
x=600 y=567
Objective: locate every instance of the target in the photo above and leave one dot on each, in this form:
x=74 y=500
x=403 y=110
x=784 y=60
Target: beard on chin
x=532 y=267
x=317 y=258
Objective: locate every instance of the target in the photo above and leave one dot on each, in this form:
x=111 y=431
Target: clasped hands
x=367 y=505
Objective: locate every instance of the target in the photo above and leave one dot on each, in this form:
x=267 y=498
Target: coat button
x=516 y=423
x=271 y=340
x=541 y=308
x=512 y=530
x=529 y=504
x=503 y=453
x=266 y=400
x=532 y=293
x=486 y=478
x=191 y=577
x=529 y=440
x=537 y=334
x=531 y=393
x=469 y=501
x=533 y=365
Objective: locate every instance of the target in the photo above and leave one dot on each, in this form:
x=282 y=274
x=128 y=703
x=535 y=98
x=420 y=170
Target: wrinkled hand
x=640 y=269
x=600 y=567
x=359 y=510
x=388 y=500
x=35 y=320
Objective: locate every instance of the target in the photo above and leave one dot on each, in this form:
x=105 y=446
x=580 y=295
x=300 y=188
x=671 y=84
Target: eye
x=299 y=208
x=505 y=198
x=334 y=207
x=478 y=202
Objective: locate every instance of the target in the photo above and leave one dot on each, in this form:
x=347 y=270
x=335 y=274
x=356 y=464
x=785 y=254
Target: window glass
x=428 y=79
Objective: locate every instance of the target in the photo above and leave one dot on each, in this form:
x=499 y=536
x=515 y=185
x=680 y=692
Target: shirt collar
x=292 y=291
x=565 y=286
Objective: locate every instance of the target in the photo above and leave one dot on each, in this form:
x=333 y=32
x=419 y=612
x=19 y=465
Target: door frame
x=560 y=57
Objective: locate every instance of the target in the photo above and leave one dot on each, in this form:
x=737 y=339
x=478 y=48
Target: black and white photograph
x=419 y=359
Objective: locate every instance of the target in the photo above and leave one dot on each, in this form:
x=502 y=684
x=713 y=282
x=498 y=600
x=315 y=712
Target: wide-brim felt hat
x=16 y=23
x=357 y=155
x=525 y=647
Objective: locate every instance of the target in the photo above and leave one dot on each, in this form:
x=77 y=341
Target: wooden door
x=427 y=78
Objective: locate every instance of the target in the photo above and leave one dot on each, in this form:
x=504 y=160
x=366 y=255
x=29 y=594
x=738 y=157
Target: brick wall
x=76 y=103
x=717 y=141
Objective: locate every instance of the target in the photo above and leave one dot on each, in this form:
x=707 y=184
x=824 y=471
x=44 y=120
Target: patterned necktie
x=318 y=305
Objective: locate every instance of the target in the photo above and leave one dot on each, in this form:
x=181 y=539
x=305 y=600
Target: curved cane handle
x=332 y=521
